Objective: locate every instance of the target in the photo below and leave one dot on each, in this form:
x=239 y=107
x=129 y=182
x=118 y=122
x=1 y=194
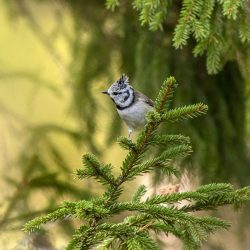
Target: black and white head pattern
x=121 y=92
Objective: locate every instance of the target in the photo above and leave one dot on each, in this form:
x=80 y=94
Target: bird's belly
x=134 y=116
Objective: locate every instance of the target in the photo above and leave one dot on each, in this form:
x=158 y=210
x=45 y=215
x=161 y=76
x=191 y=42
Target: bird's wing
x=142 y=97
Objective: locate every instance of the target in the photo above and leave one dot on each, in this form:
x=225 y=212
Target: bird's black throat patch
x=125 y=99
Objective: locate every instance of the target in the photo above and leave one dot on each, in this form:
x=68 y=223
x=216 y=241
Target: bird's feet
x=129 y=133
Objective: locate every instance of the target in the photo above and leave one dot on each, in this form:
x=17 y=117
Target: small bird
x=131 y=105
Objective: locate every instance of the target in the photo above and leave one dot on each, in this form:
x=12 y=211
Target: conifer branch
x=168 y=140
x=93 y=168
x=157 y=213
x=185 y=112
x=66 y=210
x=205 y=21
x=139 y=193
x=126 y=143
x=112 y=4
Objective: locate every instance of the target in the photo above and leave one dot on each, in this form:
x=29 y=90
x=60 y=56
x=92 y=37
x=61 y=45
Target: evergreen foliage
x=143 y=55
x=223 y=51
x=206 y=22
x=147 y=57
x=115 y=40
x=158 y=213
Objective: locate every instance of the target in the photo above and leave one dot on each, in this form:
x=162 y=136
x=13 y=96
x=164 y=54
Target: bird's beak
x=105 y=92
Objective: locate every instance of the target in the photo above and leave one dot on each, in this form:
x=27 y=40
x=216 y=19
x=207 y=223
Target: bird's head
x=121 y=92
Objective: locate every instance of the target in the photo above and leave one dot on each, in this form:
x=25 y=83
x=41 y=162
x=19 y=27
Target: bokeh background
x=55 y=58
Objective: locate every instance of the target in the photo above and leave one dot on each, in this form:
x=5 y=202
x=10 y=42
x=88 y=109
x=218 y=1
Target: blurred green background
x=55 y=58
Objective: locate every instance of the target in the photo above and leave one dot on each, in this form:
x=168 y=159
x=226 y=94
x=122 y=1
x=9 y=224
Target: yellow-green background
x=36 y=89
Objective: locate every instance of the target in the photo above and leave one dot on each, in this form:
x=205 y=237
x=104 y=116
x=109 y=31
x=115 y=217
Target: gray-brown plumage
x=144 y=98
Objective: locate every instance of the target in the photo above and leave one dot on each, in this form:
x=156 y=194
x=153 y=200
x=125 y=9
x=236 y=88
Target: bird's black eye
x=115 y=93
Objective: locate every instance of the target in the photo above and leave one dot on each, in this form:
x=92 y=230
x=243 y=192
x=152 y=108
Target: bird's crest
x=123 y=81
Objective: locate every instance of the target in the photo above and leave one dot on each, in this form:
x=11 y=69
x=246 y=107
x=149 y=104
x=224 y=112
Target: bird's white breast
x=134 y=116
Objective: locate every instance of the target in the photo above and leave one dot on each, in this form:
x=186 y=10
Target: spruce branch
x=93 y=168
x=166 y=93
x=190 y=9
x=66 y=210
x=185 y=112
x=231 y=7
x=112 y=4
x=169 y=140
x=156 y=213
x=208 y=22
x=139 y=193
x=126 y=143
x=220 y=197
